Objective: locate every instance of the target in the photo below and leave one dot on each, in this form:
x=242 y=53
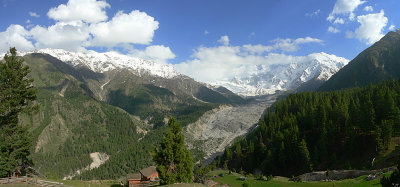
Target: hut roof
x=135 y=176
x=147 y=172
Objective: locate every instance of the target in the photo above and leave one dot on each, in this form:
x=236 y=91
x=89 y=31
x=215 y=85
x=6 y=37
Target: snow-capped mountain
x=267 y=79
x=103 y=62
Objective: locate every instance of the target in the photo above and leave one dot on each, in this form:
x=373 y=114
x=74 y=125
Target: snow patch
x=103 y=62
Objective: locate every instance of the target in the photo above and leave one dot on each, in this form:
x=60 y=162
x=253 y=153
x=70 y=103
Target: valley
x=217 y=128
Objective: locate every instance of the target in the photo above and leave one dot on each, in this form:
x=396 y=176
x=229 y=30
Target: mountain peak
x=268 y=79
x=103 y=62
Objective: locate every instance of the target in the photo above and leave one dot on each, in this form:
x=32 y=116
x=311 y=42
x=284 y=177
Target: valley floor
x=233 y=180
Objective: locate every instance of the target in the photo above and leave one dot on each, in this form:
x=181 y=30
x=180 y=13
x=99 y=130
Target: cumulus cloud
x=257 y=49
x=290 y=45
x=344 y=7
x=222 y=63
x=136 y=27
x=368 y=8
x=333 y=30
x=15 y=36
x=315 y=13
x=392 y=27
x=34 y=14
x=91 y=11
x=71 y=36
x=224 y=40
x=157 y=53
x=339 y=21
x=371 y=27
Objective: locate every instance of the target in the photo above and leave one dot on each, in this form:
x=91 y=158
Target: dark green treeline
x=317 y=131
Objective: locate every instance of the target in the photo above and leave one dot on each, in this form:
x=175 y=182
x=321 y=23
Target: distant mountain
x=143 y=88
x=375 y=64
x=288 y=76
x=110 y=106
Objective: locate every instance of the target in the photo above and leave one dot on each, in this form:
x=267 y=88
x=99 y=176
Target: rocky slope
x=216 y=129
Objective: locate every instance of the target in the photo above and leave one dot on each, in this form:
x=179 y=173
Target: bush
x=259 y=177
x=270 y=177
x=245 y=184
x=385 y=181
x=296 y=179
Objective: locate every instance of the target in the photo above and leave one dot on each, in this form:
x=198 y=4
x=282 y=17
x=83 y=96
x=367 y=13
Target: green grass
x=186 y=185
x=79 y=183
x=17 y=185
x=232 y=180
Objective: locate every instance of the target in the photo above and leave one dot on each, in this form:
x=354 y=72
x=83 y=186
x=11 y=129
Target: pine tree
x=173 y=161
x=304 y=157
x=16 y=96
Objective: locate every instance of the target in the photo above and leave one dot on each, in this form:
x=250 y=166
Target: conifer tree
x=16 y=96
x=173 y=161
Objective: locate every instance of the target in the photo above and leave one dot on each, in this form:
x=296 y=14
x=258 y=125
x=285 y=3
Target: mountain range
x=286 y=76
x=115 y=106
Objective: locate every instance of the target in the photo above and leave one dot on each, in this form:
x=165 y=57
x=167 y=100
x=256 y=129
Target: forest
x=308 y=131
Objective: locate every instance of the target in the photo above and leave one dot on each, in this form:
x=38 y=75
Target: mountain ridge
x=268 y=79
x=376 y=63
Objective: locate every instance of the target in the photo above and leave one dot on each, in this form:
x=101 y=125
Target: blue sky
x=176 y=31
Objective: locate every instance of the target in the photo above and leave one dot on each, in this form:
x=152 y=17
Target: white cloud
x=34 y=14
x=257 y=49
x=15 y=36
x=339 y=21
x=370 y=30
x=90 y=11
x=368 y=8
x=224 y=40
x=136 y=27
x=290 y=45
x=392 y=27
x=71 y=36
x=222 y=63
x=157 y=53
x=343 y=7
x=315 y=13
x=206 y=32
x=333 y=30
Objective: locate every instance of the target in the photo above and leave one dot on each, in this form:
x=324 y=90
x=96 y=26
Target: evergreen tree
x=305 y=160
x=173 y=160
x=16 y=96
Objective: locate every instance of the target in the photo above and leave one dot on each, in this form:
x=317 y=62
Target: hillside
x=321 y=130
x=375 y=64
x=117 y=114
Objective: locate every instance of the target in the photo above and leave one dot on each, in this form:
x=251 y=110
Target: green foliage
x=321 y=130
x=173 y=161
x=393 y=179
x=16 y=95
x=200 y=173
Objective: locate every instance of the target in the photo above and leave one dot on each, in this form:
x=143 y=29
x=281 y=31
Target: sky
x=196 y=35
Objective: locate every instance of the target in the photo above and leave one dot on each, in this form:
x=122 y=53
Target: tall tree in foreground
x=173 y=160
x=16 y=96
